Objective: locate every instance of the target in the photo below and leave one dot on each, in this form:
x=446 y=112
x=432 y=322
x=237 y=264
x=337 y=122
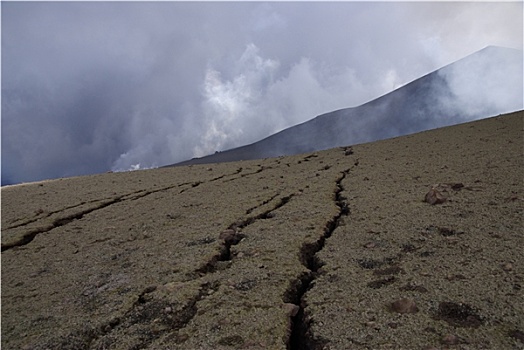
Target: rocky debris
x=404 y=306
x=436 y=193
x=290 y=309
x=434 y=197
x=507 y=267
x=347 y=151
x=231 y=236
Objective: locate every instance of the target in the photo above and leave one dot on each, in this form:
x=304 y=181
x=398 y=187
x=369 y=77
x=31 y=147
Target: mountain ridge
x=431 y=101
x=331 y=248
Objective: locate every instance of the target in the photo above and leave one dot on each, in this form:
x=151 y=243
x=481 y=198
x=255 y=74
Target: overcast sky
x=98 y=86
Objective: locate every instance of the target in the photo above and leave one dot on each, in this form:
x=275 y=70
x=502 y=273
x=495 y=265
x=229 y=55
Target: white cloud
x=108 y=85
x=254 y=103
x=228 y=106
x=476 y=85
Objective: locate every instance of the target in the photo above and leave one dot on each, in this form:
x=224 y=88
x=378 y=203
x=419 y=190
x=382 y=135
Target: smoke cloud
x=261 y=99
x=98 y=86
x=477 y=85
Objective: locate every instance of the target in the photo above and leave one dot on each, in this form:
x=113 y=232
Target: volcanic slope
x=450 y=94
x=334 y=249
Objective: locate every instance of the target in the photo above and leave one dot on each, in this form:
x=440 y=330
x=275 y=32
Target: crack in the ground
x=250 y=210
x=61 y=221
x=193 y=185
x=239 y=170
x=301 y=336
x=42 y=215
x=161 y=313
x=232 y=236
x=148 y=318
x=259 y=170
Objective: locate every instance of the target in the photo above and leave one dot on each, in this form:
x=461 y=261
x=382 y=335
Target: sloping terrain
x=334 y=249
x=435 y=100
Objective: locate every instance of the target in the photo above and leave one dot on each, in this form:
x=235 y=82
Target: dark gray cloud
x=97 y=86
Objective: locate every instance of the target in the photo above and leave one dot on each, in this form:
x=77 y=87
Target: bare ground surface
x=327 y=250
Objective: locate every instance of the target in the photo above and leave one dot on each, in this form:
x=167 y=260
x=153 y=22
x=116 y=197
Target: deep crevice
x=42 y=215
x=29 y=236
x=146 y=312
x=239 y=170
x=265 y=215
x=61 y=221
x=301 y=336
x=232 y=236
x=248 y=211
x=262 y=168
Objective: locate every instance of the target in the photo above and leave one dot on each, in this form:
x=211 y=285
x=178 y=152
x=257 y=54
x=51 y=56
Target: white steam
x=262 y=98
x=229 y=106
x=490 y=82
x=93 y=86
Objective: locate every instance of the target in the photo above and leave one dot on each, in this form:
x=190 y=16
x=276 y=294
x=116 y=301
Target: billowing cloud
x=465 y=79
x=229 y=105
x=262 y=98
x=97 y=86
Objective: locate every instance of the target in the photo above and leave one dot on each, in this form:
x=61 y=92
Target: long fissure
x=301 y=337
x=232 y=235
x=29 y=236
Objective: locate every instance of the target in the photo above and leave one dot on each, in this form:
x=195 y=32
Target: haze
x=97 y=86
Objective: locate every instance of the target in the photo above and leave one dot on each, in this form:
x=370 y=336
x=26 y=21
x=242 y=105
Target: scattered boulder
x=404 y=306
x=435 y=194
x=230 y=236
x=290 y=309
x=348 y=151
x=507 y=267
x=434 y=197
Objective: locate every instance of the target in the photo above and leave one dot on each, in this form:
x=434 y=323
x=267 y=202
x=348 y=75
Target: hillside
x=462 y=91
x=333 y=249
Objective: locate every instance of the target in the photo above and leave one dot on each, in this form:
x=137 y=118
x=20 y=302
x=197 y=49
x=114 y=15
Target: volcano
x=472 y=88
